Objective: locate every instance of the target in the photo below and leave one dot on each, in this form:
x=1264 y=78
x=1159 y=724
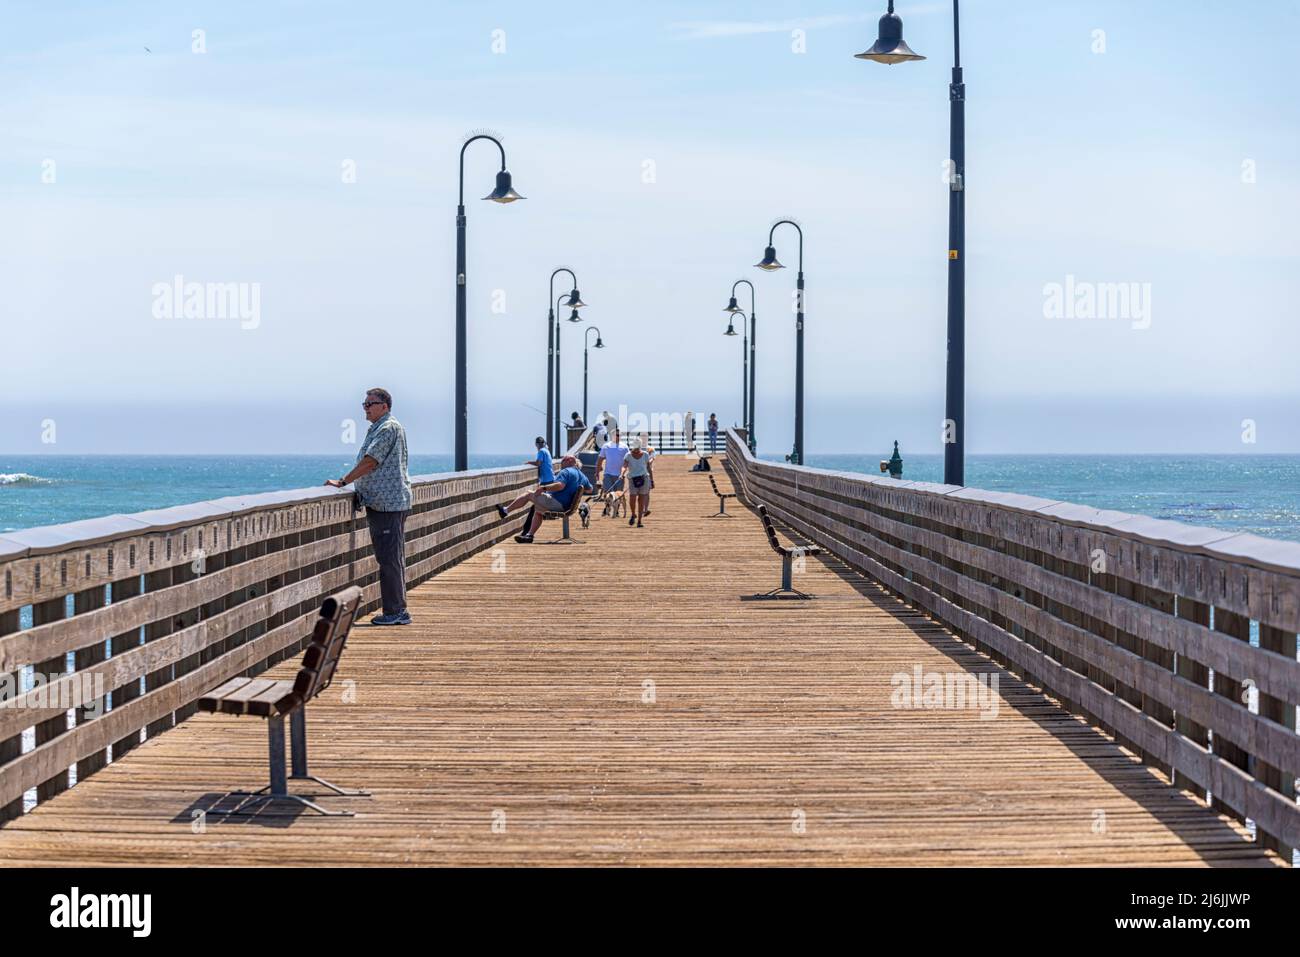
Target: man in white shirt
x=609 y=464
x=599 y=432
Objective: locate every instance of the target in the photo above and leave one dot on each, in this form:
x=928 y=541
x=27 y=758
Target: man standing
x=608 y=466
x=545 y=470
x=384 y=488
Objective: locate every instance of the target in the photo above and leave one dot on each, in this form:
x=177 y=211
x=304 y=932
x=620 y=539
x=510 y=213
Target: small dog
x=584 y=513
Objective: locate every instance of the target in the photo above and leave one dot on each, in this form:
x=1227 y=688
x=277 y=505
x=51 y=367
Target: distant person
x=599 y=433
x=554 y=496
x=384 y=488
x=639 y=478
x=542 y=462
x=609 y=469
x=577 y=421
x=713 y=432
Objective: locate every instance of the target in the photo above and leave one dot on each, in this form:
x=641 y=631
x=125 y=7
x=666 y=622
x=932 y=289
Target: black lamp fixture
x=747 y=413
x=770 y=262
x=503 y=193
x=890 y=48
x=572 y=301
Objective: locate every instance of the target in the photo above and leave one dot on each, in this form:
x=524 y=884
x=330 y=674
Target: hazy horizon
x=1133 y=265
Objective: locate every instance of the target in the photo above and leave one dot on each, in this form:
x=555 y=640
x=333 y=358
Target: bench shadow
x=1191 y=820
x=216 y=808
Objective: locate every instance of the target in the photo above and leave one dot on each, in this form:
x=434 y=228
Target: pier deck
x=514 y=723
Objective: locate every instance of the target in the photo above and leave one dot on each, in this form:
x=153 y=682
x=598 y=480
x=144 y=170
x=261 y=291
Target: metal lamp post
x=890 y=48
x=553 y=354
x=771 y=264
x=586 y=342
x=744 y=354
x=572 y=301
x=733 y=308
x=503 y=193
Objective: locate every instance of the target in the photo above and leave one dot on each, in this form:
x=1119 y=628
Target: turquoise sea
x=1251 y=493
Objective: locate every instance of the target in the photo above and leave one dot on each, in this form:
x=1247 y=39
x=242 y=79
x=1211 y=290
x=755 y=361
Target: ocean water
x=48 y=489
x=1247 y=493
x=1244 y=493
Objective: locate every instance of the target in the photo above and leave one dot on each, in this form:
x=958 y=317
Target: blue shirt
x=545 y=468
x=573 y=479
x=387 y=488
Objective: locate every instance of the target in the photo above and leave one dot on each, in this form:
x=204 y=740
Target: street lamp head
x=574 y=317
x=504 y=192
x=732 y=307
x=769 y=262
x=889 y=47
x=600 y=343
x=731 y=329
x=575 y=300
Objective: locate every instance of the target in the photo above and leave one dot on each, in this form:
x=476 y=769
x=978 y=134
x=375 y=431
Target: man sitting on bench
x=554 y=496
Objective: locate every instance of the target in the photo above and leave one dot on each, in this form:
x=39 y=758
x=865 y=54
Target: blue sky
x=1123 y=166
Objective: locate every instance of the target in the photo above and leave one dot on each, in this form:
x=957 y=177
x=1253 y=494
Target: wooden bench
x=272 y=700
x=722 y=498
x=565 y=538
x=787 y=589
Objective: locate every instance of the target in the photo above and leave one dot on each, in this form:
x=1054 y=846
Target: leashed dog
x=584 y=513
x=615 y=500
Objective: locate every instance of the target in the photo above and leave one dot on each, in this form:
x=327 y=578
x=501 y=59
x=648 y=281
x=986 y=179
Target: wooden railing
x=1178 y=641
x=156 y=608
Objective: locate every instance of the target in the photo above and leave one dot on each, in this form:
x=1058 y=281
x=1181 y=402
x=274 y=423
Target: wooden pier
x=624 y=701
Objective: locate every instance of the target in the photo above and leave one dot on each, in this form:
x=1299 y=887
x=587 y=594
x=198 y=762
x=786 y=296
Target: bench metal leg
x=565 y=538
x=787 y=589
x=722 y=509
x=278 y=789
x=298 y=741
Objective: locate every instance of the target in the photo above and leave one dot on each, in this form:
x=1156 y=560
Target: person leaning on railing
x=384 y=488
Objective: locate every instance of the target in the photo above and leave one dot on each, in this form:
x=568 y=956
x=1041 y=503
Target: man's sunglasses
x=369 y=402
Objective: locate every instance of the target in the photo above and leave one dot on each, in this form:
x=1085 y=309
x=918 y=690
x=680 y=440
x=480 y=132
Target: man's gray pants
x=388 y=536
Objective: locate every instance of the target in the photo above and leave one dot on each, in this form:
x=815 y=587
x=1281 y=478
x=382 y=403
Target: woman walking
x=638 y=476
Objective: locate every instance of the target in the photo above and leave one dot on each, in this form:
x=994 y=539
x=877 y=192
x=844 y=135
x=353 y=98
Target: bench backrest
x=714 y=482
x=767 y=527
x=337 y=612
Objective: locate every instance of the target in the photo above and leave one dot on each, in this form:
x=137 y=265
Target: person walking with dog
x=609 y=469
x=639 y=475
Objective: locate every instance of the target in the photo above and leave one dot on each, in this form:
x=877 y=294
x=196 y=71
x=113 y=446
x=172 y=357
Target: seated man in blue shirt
x=554 y=496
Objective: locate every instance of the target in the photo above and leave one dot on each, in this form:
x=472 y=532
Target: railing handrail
x=67 y=536
x=1278 y=555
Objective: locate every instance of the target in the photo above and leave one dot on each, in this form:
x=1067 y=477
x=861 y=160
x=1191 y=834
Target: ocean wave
x=23 y=478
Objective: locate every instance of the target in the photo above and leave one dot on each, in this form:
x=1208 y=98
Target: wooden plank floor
x=514 y=724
